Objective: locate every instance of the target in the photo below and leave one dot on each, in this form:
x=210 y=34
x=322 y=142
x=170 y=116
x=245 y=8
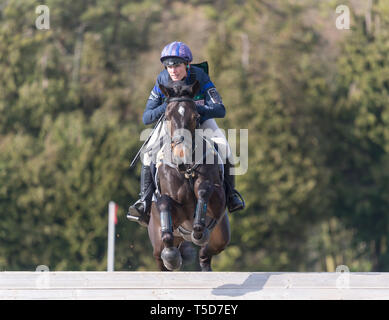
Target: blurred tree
x=68 y=129
x=268 y=54
x=356 y=128
x=72 y=98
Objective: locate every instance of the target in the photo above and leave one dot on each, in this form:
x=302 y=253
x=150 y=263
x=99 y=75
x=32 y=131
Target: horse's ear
x=164 y=90
x=195 y=87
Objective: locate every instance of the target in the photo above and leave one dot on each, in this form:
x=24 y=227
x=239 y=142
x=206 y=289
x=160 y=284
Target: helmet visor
x=172 y=61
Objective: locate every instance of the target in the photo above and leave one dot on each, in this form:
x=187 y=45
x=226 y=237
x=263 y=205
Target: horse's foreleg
x=155 y=238
x=170 y=255
x=218 y=241
x=200 y=234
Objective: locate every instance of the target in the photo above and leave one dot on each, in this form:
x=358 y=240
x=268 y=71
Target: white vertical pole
x=111 y=236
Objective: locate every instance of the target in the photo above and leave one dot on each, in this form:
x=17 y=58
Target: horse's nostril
x=178 y=140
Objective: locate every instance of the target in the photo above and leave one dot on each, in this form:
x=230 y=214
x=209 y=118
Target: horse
x=191 y=201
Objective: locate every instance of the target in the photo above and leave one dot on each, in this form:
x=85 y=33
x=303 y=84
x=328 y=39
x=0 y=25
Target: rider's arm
x=155 y=106
x=213 y=105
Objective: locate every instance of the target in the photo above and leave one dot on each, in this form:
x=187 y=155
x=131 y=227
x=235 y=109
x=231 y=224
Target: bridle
x=178 y=99
x=189 y=172
x=182 y=99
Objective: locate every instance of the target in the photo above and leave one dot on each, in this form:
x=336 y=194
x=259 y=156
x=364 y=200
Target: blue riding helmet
x=176 y=53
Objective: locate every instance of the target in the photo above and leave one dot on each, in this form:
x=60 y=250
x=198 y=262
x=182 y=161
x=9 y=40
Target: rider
x=176 y=58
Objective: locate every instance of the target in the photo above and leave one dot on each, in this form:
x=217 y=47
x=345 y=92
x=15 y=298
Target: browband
x=179 y=99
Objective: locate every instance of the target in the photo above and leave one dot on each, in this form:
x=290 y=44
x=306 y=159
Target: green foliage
x=66 y=136
x=313 y=99
x=357 y=134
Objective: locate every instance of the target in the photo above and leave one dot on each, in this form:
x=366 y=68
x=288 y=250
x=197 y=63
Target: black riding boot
x=140 y=210
x=235 y=201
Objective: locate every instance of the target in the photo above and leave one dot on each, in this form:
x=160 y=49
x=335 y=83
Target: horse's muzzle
x=176 y=140
x=182 y=151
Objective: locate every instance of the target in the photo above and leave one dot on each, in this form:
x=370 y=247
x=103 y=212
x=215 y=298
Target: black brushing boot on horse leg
x=200 y=233
x=170 y=254
x=235 y=201
x=140 y=210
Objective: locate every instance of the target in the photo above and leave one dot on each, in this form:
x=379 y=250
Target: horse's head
x=181 y=116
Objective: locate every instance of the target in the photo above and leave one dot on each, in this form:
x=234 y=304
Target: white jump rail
x=193 y=286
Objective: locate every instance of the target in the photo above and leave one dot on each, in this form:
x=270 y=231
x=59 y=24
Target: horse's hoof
x=205 y=267
x=203 y=240
x=171 y=258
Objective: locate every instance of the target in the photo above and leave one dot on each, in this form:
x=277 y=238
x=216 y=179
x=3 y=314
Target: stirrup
x=137 y=214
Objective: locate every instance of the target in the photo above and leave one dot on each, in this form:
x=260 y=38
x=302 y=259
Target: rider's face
x=177 y=72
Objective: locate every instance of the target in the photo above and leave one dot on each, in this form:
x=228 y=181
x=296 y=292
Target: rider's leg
x=235 y=201
x=140 y=210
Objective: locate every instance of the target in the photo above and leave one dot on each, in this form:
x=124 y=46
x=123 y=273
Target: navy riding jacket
x=208 y=101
